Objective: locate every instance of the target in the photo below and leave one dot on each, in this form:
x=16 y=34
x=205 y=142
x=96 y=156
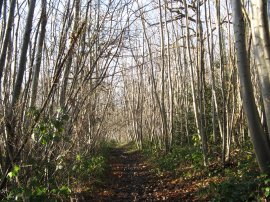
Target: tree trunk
x=10 y=123
x=7 y=38
x=70 y=58
x=222 y=80
x=197 y=113
x=258 y=138
x=36 y=68
x=23 y=58
x=162 y=100
x=261 y=43
x=201 y=87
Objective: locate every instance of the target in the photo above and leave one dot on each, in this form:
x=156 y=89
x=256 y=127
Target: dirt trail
x=132 y=179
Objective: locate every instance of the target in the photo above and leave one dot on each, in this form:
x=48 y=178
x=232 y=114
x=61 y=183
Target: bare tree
x=7 y=38
x=36 y=68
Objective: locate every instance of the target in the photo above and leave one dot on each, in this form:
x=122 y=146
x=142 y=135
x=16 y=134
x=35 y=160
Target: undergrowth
x=239 y=180
x=65 y=177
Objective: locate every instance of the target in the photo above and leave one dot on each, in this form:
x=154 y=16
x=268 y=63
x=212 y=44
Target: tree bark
x=258 y=138
x=7 y=38
x=70 y=57
x=23 y=57
x=261 y=43
x=36 y=68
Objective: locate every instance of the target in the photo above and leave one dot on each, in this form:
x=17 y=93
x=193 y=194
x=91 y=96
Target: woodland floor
x=132 y=178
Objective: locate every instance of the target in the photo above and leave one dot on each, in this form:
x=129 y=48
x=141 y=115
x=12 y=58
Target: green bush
x=38 y=186
x=37 y=193
x=241 y=183
x=177 y=157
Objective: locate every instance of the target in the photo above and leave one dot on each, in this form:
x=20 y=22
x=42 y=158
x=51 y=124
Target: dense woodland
x=186 y=81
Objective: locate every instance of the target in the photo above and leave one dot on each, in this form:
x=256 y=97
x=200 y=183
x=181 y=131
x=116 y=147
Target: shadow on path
x=132 y=179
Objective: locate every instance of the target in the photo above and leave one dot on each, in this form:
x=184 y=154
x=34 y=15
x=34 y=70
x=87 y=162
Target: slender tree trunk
x=36 y=68
x=154 y=82
x=210 y=61
x=197 y=115
x=200 y=66
x=222 y=80
x=170 y=84
x=1 y=5
x=23 y=57
x=162 y=100
x=7 y=38
x=3 y=23
x=70 y=58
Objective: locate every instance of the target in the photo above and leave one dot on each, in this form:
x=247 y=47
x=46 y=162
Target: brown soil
x=131 y=178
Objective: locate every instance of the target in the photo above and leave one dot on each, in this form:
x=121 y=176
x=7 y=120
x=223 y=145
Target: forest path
x=131 y=178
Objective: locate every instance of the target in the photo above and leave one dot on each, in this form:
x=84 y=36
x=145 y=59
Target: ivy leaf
x=14 y=172
x=267 y=191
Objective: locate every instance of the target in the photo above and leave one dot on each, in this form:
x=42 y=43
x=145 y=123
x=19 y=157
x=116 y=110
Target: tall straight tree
x=163 y=112
x=7 y=38
x=222 y=79
x=23 y=57
x=197 y=112
x=70 y=57
x=258 y=137
x=201 y=82
x=261 y=44
x=170 y=82
x=1 y=5
x=36 y=68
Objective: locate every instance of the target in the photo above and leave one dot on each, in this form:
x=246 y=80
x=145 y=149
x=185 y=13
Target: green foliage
x=37 y=193
x=240 y=183
x=90 y=167
x=150 y=150
x=235 y=189
x=64 y=191
x=50 y=129
x=179 y=156
x=239 y=180
x=14 y=172
x=97 y=166
x=33 y=112
x=35 y=189
x=266 y=191
x=83 y=169
x=38 y=184
x=105 y=147
x=196 y=140
x=185 y=120
x=265 y=186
